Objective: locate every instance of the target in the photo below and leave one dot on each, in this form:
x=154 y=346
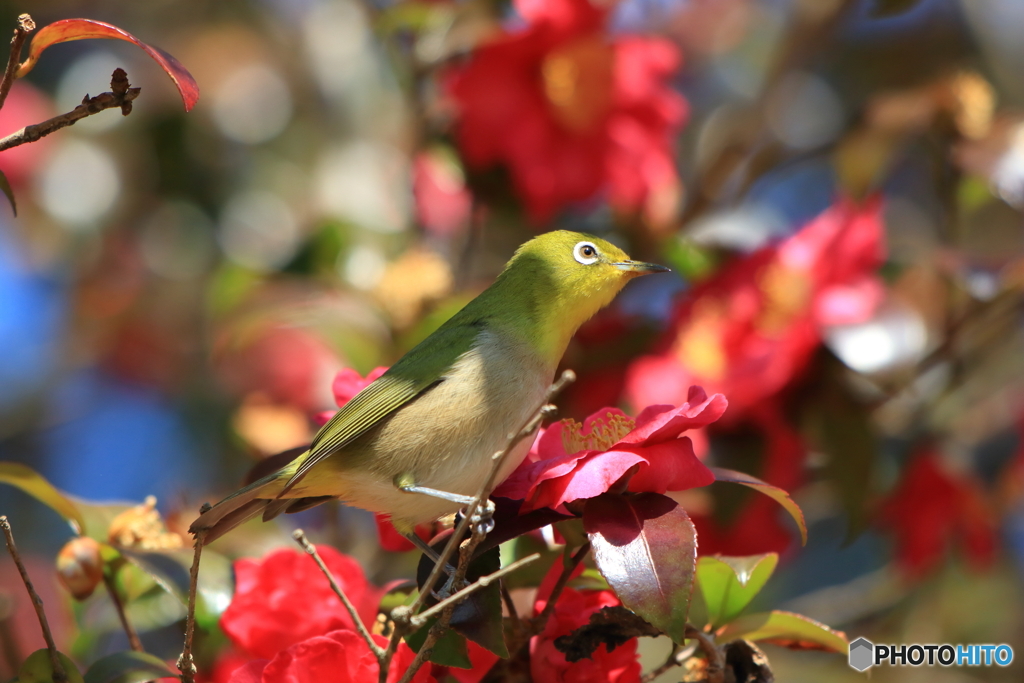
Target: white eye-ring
x=585 y=252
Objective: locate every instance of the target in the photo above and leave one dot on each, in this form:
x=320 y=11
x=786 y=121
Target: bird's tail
x=262 y=497
x=238 y=508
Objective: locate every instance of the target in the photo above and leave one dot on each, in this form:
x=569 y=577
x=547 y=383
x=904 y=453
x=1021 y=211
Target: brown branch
x=121 y=96
x=25 y=27
x=675 y=658
x=59 y=675
x=133 y=636
x=541 y=619
x=422 y=618
x=716 y=662
x=300 y=537
x=186 y=663
x=404 y=616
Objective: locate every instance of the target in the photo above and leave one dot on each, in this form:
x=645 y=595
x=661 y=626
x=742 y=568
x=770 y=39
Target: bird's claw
x=482 y=520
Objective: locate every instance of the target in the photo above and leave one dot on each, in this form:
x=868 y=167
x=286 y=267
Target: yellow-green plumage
x=436 y=417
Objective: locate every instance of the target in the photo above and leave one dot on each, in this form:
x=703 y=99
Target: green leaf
x=478 y=617
x=449 y=650
x=728 y=584
x=168 y=569
x=5 y=187
x=646 y=547
x=33 y=483
x=773 y=492
x=128 y=667
x=787 y=629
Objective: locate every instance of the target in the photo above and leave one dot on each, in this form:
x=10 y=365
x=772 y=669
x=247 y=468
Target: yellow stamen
x=604 y=433
x=577 y=81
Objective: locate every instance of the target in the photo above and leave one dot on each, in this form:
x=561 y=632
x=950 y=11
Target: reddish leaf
x=646 y=547
x=80 y=29
x=774 y=492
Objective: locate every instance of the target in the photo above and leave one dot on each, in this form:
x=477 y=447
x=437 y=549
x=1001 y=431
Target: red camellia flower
x=570 y=111
x=573 y=609
x=571 y=461
x=347 y=383
x=930 y=509
x=284 y=599
x=338 y=657
x=751 y=328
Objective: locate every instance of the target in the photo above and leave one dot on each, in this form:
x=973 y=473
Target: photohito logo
x=864 y=654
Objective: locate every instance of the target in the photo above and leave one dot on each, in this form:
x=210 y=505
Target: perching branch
x=300 y=537
x=404 y=616
x=186 y=664
x=133 y=637
x=121 y=96
x=716 y=663
x=25 y=26
x=59 y=675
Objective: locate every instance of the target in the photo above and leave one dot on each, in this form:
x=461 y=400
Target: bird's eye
x=585 y=253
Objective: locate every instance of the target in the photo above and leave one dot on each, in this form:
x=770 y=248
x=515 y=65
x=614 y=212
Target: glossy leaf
x=80 y=29
x=35 y=485
x=169 y=569
x=646 y=547
x=128 y=667
x=728 y=584
x=5 y=187
x=787 y=629
x=773 y=492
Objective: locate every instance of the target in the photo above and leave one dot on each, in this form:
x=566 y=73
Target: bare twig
x=485 y=490
x=186 y=664
x=563 y=580
x=423 y=617
x=675 y=658
x=133 y=636
x=300 y=537
x=25 y=27
x=716 y=663
x=121 y=96
x=404 y=616
x=59 y=675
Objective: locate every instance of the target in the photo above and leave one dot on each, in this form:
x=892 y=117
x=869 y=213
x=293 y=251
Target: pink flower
x=442 y=201
x=751 y=328
x=572 y=461
x=284 y=599
x=570 y=111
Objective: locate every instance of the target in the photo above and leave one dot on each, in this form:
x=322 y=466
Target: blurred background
x=837 y=184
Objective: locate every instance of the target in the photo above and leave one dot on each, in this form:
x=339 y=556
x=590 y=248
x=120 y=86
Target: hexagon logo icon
x=862 y=654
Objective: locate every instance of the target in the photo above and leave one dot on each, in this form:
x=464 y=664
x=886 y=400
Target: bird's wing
x=417 y=371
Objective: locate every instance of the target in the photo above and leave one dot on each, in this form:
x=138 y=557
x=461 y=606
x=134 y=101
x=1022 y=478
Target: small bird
x=418 y=441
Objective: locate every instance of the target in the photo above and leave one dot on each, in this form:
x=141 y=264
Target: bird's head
x=572 y=275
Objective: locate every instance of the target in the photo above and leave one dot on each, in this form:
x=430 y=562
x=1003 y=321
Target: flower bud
x=80 y=567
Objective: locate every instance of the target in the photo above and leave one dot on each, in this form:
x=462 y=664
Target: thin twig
x=121 y=96
x=423 y=617
x=563 y=580
x=510 y=605
x=485 y=490
x=716 y=663
x=403 y=616
x=133 y=636
x=675 y=658
x=25 y=27
x=300 y=537
x=59 y=675
x=186 y=664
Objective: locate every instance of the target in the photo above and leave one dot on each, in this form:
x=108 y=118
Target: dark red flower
x=339 y=657
x=750 y=329
x=570 y=111
x=284 y=599
x=931 y=509
x=573 y=609
x=571 y=461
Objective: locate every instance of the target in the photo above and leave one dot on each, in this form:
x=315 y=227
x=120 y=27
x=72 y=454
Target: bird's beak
x=641 y=268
